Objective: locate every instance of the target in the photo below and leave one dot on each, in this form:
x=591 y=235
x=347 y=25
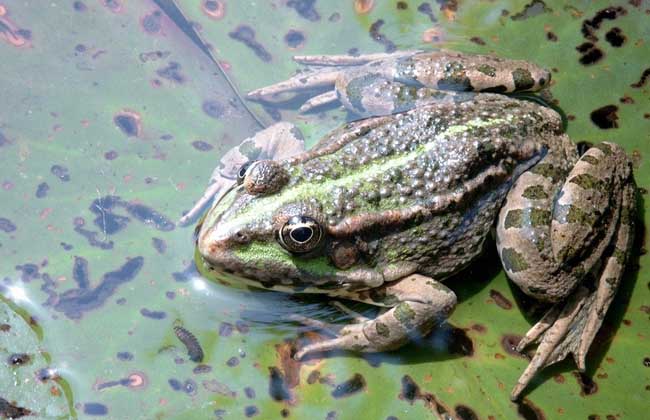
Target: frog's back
x=424 y=185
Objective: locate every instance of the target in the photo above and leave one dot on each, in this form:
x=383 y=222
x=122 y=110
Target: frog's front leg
x=279 y=141
x=417 y=303
x=383 y=84
x=572 y=255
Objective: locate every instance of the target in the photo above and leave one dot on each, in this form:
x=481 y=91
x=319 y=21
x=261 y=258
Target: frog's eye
x=241 y=173
x=300 y=234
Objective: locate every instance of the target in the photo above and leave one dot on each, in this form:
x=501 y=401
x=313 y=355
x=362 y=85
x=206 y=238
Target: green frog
x=384 y=209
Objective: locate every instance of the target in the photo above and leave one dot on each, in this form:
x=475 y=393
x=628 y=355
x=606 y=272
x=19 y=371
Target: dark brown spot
x=615 y=37
x=151 y=22
x=460 y=343
x=7 y=225
x=213 y=109
x=246 y=35
x=305 y=9
x=479 y=328
x=278 y=389
x=60 y=172
x=559 y=378
x=642 y=80
x=95 y=409
x=19 y=359
x=294 y=39
x=410 y=390
x=110 y=155
x=509 y=343
x=389 y=46
x=425 y=9
x=605 y=117
x=534 y=8
x=128 y=123
x=202 y=146
x=350 y=387
x=251 y=411
x=589 y=26
x=477 y=40
x=402 y=5
x=646 y=361
x=225 y=329
x=500 y=300
x=42 y=189
x=528 y=411
x=171 y=72
x=590 y=53
x=74 y=302
x=626 y=100
x=148 y=313
x=5 y=327
x=551 y=36
x=216 y=9
x=463 y=412
x=79 y=6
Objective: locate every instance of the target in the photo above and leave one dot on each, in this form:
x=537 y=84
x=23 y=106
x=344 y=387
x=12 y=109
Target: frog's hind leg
x=573 y=255
x=571 y=327
x=416 y=304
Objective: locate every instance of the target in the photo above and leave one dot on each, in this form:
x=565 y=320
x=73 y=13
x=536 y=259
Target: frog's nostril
x=545 y=79
x=241 y=237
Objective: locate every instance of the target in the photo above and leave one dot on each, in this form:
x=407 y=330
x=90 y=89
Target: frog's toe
x=351 y=337
x=317 y=101
x=555 y=333
x=300 y=82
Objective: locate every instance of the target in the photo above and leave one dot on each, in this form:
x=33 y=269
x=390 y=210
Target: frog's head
x=271 y=229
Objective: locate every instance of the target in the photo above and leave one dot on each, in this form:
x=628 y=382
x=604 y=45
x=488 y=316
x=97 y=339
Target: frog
x=386 y=208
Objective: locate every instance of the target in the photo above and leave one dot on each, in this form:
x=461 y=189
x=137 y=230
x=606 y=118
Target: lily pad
x=112 y=118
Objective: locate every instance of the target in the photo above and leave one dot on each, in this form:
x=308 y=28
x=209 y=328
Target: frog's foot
x=279 y=141
x=420 y=304
x=327 y=68
x=570 y=328
x=350 y=80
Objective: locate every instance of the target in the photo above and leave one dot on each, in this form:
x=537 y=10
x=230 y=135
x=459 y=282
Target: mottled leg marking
x=417 y=303
x=276 y=142
x=587 y=235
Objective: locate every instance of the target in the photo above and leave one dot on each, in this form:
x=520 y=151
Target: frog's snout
x=543 y=78
x=214 y=244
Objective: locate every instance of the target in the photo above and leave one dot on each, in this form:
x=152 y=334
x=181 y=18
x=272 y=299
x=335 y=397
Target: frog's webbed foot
x=279 y=141
x=420 y=304
x=591 y=252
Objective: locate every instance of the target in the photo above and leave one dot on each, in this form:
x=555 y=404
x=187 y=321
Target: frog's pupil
x=302 y=234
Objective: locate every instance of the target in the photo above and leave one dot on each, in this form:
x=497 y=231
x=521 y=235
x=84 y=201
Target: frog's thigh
x=417 y=303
